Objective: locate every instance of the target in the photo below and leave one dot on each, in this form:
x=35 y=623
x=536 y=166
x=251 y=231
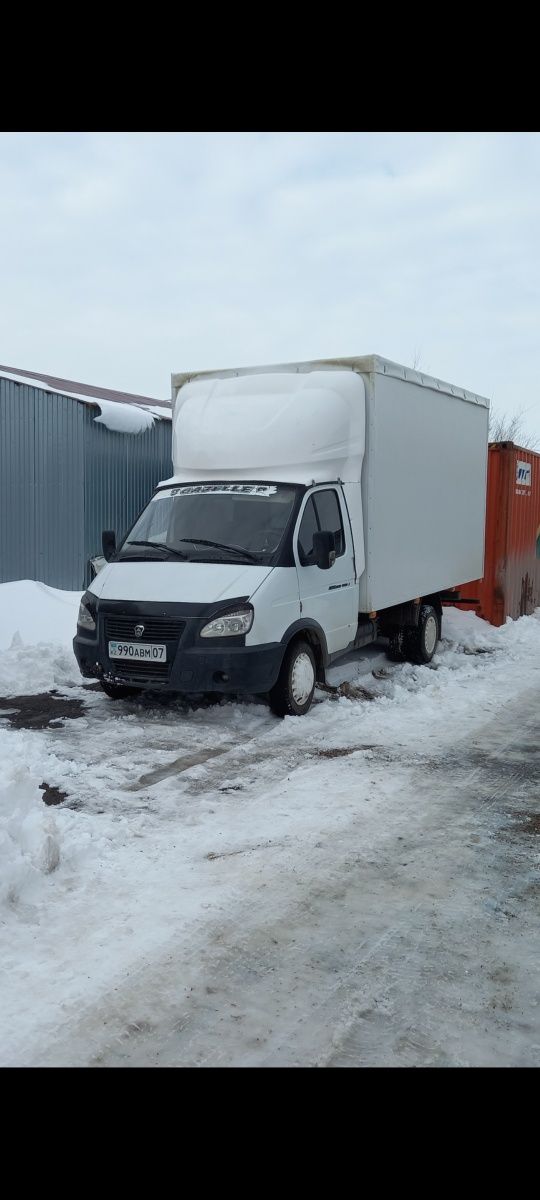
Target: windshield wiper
x=158 y=546
x=223 y=546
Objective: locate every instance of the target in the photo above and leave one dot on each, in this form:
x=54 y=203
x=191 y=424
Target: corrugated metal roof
x=87 y=389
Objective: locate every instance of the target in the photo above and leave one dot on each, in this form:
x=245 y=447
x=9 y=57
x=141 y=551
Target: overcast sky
x=125 y=256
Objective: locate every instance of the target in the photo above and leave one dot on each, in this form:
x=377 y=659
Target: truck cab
x=261 y=566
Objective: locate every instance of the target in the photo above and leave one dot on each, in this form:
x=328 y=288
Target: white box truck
x=314 y=508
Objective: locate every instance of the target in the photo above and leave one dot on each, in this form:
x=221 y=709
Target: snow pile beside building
x=28 y=670
x=36 y=613
x=471 y=634
x=37 y=625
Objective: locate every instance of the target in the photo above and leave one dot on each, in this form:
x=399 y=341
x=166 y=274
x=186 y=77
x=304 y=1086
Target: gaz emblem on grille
x=139 y=630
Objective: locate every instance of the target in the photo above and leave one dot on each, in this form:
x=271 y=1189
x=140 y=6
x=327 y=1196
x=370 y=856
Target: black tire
x=118 y=691
x=420 y=644
x=292 y=694
x=395 y=650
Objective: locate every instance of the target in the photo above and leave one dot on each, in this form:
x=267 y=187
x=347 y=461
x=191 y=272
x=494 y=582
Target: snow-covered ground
x=209 y=885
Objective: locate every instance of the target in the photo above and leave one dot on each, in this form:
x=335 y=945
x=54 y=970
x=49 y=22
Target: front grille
x=140 y=672
x=156 y=629
x=166 y=630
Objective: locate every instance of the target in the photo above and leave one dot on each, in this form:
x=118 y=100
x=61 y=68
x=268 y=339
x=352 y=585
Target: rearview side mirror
x=324 y=549
x=96 y=564
x=108 y=543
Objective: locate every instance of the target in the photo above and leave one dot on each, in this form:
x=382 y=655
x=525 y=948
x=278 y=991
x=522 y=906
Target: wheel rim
x=302 y=678
x=430 y=634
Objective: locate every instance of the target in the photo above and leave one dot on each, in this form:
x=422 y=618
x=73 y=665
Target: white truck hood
x=186 y=582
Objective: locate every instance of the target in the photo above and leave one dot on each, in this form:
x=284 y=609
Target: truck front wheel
x=420 y=644
x=293 y=693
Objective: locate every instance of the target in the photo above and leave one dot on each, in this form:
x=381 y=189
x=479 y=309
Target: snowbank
x=37 y=625
x=29 y=837
x=37 y=613
x=470 y=633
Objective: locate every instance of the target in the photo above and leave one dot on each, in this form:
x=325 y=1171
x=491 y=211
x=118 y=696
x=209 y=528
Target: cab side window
x=329 y=515
x=308 y=526
x=322 y=511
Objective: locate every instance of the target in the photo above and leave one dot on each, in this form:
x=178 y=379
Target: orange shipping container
x=511 y=583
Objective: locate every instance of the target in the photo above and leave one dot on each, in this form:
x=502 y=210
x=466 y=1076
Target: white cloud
x=125 y=257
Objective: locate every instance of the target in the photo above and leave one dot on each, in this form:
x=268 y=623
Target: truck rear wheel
x=293 y=693
x=420 y=643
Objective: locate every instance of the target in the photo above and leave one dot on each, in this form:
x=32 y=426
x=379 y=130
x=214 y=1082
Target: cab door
x=328 y=597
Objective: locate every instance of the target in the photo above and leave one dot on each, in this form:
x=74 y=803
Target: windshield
x=212 y=522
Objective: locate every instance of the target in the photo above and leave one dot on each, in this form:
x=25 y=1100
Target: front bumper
x=192 y=665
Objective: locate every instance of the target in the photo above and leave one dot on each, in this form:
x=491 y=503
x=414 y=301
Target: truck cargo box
x=410 y=450
x=423 y=485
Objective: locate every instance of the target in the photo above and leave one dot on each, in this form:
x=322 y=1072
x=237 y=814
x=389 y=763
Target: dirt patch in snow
x=353 y=691
x=52 y=795
x=41 y=711
x=342 y=751
x=528 y=823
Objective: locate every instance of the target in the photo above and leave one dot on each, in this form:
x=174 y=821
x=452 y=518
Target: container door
x=328 y=597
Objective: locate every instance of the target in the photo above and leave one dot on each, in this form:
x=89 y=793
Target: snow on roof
x=122 y=412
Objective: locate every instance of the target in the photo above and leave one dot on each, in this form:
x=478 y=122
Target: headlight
x=86 y=618
x=231 y=623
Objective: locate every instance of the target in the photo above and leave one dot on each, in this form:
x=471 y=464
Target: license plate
x=138 y=650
